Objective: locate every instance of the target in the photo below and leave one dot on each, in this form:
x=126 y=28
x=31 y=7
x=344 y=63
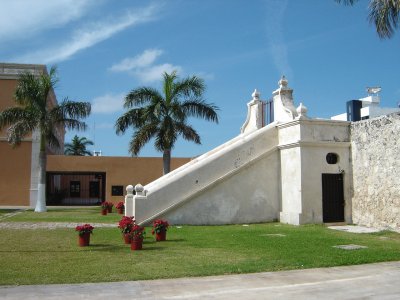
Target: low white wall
x=251 y=155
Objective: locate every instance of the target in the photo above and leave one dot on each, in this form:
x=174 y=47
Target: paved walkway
x=373 y=281
x=48 y=225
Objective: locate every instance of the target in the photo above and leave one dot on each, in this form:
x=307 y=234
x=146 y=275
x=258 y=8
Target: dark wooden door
x=332 y=198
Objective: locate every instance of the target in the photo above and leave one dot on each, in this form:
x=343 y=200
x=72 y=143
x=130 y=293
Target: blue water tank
x=353 y=109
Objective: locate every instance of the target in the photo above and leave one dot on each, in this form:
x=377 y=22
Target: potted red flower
x=126 y=225
x=120 y=207
x=104 y=208
x=109 y=207
x=84 y=234
x=160 y=228
x=137 y=235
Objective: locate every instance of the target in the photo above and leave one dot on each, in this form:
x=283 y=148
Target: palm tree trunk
x=167 y=161
x=41 y=195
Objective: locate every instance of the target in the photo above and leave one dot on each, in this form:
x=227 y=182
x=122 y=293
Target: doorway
x=332 y=198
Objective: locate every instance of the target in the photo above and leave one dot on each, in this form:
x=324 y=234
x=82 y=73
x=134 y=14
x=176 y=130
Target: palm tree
x=35 y=112
x=164 y=116
x=383 y=13
x=78 y=146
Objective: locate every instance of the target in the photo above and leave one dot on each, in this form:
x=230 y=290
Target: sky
x=103 y=49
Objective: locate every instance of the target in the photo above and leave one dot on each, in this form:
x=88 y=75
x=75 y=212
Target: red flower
x=137 y=232
x=86 y=228
x=120 y=205
x=105 y=204
x=159 y=226
x=126 y=224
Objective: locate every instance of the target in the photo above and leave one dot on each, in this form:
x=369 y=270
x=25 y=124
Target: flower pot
x=120 y=211
x=109 y=209
x=127 y=238
x=161 y=236
x=84 y=240
x=136 y=244
x=104 y=211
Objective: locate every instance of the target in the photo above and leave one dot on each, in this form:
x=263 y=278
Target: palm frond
x=52 y=141
x=385 y=15
x=17 y=131
x=72 y=109
x=188 y=133
x=169 y=85
x=189 y=87
x=74 y=124
x=141 y=96
x=16 y=114
x=142 y=137
x=134 y=117
x=199 y=108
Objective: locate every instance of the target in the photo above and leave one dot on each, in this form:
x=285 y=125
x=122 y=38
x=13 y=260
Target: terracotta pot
x=120 y=211
x=162 y=236
x=84 y=240
x=104 y=211
x=136 y=244
x=127 y=238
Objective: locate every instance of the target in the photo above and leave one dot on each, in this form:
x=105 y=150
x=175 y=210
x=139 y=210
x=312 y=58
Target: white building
x=365 y=108
x=296 y=170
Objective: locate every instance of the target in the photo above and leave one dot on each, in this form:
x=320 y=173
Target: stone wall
x=376 y=172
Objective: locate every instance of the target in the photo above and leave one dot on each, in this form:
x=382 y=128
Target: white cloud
x=143 y=68
x=108 y=103
x=154 y=73
x=89 y=36
x=139 y=61
x=278 y=48
x=24 y=18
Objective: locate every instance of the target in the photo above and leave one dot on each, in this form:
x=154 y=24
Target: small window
x=75 y=188
x=117 y=190
x=332 y=158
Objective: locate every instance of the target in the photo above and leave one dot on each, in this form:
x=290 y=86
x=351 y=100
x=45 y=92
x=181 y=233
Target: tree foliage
x=163 y=116
x=384 y=14
x=78 y=146
x=35 y=113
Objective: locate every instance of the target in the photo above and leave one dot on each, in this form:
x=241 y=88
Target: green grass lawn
x=7 y=211
x=52 y=256
x=73 y=215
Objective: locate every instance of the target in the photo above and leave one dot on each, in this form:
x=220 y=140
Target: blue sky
x=104 y=48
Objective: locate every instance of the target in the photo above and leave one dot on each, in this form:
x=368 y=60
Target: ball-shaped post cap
x=302 y=110
x=129 y=189
x=139 y=189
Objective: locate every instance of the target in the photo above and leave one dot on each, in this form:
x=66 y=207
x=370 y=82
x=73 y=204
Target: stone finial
x=139 y=189
x=129 y=189
x=302 y=110
x=283 y=82
x=255 y=95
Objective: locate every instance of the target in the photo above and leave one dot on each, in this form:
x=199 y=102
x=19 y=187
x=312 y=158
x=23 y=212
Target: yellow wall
x=119 y=170
x=15 y=163
x=7 y=88
x=15 y=173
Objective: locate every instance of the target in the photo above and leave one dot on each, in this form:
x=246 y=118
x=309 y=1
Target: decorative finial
x=139 y=189
x=256 y=95
x=283 y=82
x=129 y=189
x=302 y=110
